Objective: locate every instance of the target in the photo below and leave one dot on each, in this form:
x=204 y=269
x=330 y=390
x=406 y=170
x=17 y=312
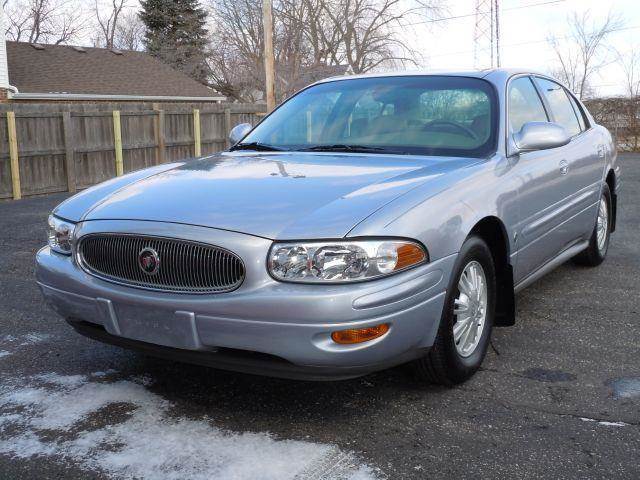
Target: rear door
x=584 y=167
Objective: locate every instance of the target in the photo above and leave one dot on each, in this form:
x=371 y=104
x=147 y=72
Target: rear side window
x=581 y=118
x=524 y=104
x=561 y=108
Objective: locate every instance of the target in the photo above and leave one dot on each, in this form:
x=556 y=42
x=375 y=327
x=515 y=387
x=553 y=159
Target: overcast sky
x=525 y=27
x=449 y=44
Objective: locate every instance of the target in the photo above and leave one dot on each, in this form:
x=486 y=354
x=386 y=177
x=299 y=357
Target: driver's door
x=543 y=187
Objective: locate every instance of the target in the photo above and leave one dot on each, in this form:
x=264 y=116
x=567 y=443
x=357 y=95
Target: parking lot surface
x=558 y=395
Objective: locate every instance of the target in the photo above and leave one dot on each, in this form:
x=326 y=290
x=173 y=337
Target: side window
x=524 y=104
x=561 y=107
x=581 y=118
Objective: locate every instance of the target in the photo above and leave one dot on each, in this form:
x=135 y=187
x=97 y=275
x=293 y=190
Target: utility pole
x=269 y=68
x=496 y=13
x=486 y=35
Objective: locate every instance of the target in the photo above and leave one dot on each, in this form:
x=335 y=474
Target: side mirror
x=539 y=136
x=238 y=132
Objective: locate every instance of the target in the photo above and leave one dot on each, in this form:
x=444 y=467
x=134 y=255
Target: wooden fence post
x=196 y=133
x=117 y=142
x=69 y=159
x=13 y=155
x=227 y=126
x=158 y=129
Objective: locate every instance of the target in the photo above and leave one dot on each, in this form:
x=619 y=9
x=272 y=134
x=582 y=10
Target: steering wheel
x=467 y=132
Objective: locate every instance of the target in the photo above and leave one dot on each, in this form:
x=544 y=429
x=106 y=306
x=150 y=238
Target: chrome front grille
x=183 y=266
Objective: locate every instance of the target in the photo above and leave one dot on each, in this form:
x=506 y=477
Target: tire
x=596 y=252
x=447 y=363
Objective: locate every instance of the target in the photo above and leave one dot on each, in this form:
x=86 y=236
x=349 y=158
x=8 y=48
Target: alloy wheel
x=470 y=309
x=602 y=228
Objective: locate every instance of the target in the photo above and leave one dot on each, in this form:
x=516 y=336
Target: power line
x=530 y=42
x=445 y=19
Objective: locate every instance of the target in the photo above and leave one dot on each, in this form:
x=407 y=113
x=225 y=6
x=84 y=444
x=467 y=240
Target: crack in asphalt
x=529 y=407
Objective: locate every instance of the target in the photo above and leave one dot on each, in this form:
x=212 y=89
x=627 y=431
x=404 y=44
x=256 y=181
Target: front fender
x=443 y=213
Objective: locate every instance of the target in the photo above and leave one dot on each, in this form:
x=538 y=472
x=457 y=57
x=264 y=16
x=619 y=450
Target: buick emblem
x=149 y=261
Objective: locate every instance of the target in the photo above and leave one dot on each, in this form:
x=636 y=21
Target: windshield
x=431 y=115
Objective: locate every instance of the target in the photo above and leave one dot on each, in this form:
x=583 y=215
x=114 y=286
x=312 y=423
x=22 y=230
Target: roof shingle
x=98 y=71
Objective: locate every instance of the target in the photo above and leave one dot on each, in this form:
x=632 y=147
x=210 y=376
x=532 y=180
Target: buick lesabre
x=369 y=221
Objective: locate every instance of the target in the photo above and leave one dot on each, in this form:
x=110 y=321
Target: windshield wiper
x=257 y=146
x=343 y=148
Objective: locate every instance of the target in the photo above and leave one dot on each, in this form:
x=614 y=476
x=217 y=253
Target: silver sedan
x=367 y=222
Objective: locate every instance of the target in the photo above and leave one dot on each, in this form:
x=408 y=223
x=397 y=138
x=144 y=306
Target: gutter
x=116 y=98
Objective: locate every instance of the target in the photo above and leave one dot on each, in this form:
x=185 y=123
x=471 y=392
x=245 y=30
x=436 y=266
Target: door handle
x=564 y=167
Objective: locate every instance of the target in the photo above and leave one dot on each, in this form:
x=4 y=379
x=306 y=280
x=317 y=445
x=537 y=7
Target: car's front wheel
x=467 y=319
x=596 y=252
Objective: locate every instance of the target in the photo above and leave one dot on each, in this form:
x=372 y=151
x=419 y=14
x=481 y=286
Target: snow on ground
x=125 y=431
x=605 y=423
x=626 y=387
x=33 y=338
x=11 y=343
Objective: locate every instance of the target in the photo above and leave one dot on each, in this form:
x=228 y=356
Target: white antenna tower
x=486 y=34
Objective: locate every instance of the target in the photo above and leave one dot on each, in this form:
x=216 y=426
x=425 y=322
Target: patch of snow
x=613 y=424
x=148 y=442
x=34 y=338
x=106 y=373
x=626 y=387
x=605 y=423
x=143 y=380
x=62 y=380
x=27 y=445
x=8 y=418
x=10 y=343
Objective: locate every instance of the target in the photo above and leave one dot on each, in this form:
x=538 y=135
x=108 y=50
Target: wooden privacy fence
x=44 y=151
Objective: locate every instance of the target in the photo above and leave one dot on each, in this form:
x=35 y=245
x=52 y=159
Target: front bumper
x=290 y=323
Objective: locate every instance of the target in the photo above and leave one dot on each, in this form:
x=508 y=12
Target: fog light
x=359 y=335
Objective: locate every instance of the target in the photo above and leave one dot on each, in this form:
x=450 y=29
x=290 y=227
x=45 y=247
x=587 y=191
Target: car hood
x=272 y=195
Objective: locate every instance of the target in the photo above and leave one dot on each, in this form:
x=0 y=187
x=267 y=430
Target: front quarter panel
x=442 y=213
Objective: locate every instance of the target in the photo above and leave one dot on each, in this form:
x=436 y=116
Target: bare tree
x=236 y=49
x=630 y=111
x=312 y=39
x=585 y=51
x=629 y=61
x=17 y=20
x=367 y=34
x=129 y=32
x=44 y=21
x=107 y=20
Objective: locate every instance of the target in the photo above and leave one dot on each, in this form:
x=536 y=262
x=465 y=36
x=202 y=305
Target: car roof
x=494 y=74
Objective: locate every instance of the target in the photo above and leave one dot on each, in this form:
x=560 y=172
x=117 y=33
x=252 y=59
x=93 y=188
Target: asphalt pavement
x=558 y=395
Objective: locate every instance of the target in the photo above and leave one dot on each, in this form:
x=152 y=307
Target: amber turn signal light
x=409 y=254
x=359 y=335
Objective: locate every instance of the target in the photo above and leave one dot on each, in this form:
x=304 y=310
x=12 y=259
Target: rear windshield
x=432 y=115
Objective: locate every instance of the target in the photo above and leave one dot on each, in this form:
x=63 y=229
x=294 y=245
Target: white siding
x=4 y=69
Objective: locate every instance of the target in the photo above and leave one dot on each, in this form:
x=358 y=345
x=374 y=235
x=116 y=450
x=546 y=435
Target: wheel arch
x=492 y=230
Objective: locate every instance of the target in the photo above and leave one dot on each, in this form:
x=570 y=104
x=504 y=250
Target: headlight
x=60 y=233
x=342 y=261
